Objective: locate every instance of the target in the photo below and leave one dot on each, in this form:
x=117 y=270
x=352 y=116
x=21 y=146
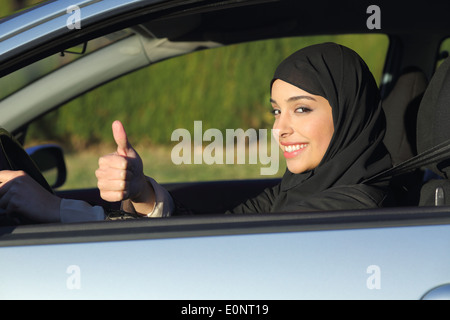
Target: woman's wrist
x=144 y=201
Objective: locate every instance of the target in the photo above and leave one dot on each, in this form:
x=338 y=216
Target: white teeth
x=294 y=147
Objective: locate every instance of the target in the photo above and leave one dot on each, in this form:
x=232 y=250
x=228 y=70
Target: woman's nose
x=283 y=125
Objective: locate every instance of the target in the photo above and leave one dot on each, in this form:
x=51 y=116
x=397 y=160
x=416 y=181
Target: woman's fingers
x=113 y=177
x=120 y=174
x=112 y=185
x=113 y=196
x=8 y=175
x=113 y=161
x=113 y=174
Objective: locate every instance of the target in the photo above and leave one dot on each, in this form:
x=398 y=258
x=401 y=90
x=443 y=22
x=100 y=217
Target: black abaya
x=356 y=151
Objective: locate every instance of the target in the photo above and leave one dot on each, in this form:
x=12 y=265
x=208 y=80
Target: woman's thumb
x=120 y=136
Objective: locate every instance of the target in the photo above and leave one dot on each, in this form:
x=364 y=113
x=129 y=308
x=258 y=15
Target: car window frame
x=221 y=225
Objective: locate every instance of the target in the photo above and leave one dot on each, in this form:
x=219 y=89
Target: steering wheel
x=14 y=157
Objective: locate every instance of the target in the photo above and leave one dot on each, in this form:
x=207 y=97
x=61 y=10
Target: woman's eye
x=302 y=110
x=275 y=112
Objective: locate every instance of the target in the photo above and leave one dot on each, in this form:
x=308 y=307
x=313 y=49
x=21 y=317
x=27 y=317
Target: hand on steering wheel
x=25 y=195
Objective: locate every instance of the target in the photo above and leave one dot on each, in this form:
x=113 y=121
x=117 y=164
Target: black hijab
x=356 y=151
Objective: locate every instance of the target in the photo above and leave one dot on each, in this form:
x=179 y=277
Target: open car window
x=187 y=115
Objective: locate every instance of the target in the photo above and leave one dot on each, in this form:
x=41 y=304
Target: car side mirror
x=50 y=160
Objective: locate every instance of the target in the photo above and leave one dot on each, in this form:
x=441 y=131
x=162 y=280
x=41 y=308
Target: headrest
x=433 y=121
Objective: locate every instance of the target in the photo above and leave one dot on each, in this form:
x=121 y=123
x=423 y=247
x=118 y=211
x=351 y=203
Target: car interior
x=411 y=61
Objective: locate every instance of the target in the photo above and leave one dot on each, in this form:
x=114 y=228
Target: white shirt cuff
x=79 y=211
x=164 y=205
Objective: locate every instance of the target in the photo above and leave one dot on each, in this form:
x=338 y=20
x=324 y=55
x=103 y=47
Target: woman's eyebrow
x=295 y=98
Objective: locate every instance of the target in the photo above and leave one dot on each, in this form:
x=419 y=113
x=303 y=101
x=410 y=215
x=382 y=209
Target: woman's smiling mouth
x=292 y=150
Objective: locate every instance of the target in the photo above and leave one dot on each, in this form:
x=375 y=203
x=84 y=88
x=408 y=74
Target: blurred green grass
x=9 y=6
x=158 y=165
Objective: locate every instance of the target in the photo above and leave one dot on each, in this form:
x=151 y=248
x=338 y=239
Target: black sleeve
x=259 y=204
x=338 y=198
x=354 y=197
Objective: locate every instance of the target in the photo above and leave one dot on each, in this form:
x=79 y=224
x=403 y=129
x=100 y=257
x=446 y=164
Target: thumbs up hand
x=120 y=175
x=121 y=139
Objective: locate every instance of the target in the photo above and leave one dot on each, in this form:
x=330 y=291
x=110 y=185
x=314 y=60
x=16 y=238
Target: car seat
x=401 y=108
x=433 y=129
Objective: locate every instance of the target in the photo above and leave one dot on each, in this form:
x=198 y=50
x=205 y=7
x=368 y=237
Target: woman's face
x=304 y=125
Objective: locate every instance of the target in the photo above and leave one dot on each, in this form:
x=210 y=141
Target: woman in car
x=329 y=124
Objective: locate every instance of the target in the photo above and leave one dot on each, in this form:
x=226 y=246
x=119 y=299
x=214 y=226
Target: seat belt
x=435 y=154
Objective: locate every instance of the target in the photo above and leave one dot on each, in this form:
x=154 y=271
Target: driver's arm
x=78 y=211
x=21 y=194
